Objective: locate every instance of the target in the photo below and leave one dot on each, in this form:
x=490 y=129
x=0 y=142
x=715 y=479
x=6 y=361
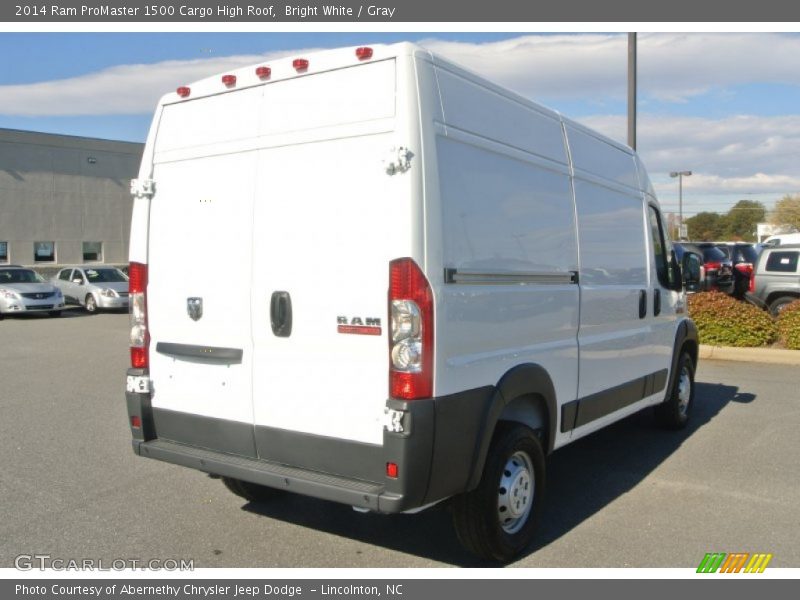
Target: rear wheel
x=250 y=491
x=90 y=304
x=777 y=305
x=496 y=521
x=673 y=413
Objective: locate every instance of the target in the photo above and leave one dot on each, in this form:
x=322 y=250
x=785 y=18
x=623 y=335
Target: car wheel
x=55 y=313
x=777 y=305
x=90 y=304
x=673 y=413
x=250 y=491
x=496 y=521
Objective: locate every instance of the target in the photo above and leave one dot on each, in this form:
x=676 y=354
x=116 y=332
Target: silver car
x=93 y=287
x=24 y=290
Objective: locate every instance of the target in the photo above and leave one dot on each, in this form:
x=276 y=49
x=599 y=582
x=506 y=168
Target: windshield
x=19 y=276
x=105 y=275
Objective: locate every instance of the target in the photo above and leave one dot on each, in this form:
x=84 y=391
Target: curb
x=774 y=356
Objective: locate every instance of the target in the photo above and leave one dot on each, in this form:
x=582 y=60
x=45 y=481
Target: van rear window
x=782 y=262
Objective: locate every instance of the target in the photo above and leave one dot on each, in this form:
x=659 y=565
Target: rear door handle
x=642 y=304
x=280 y=314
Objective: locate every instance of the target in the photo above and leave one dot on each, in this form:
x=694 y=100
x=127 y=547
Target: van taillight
x=411 y=331
x=140 y=338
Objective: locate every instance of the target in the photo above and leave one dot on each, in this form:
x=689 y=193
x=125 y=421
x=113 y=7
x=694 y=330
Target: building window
x=3 y=252
x=92 y=251
x=44 y=251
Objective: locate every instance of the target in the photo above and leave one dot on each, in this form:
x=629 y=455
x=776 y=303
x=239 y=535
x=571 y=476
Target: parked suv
x=717 y=273
x=743 y=256
x=776 y=280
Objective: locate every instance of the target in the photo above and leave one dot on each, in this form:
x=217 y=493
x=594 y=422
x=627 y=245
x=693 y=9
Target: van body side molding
x=204 y=352
x=595 y=406
x=453 y=275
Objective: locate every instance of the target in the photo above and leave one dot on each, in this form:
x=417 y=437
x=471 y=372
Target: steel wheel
x=515 y=494
x=497 y=519
x=684 y=390
x=674 y=412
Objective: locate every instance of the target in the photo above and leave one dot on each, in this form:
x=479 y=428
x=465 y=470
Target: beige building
x=64 y=199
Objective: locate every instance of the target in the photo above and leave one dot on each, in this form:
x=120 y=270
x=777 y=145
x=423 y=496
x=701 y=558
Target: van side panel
x=507 y=240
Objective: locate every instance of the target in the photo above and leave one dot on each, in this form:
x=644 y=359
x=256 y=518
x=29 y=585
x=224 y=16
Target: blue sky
x=725 y=106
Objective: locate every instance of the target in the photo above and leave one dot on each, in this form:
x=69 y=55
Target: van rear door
x=325 y=214
x=199 y=301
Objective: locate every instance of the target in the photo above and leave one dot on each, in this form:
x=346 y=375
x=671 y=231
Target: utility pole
x=632 y=90
x=680 y=175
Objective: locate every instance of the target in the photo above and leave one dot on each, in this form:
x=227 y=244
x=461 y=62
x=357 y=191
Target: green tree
x=786 y=212
x=741 y=220
x=704 y=226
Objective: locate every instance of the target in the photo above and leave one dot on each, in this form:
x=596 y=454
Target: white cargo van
x=371 y=276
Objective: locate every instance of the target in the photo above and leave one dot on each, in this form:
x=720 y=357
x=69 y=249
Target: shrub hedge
x=724 y=321
x=789 y=325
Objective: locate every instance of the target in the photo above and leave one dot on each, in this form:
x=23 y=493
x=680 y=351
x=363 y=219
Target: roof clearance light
x=300 y=64
x=263 y=72
x=229 y=80
x=363 y=53
x=183 y=91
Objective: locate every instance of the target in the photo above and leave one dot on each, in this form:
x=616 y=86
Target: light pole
x=680 y=175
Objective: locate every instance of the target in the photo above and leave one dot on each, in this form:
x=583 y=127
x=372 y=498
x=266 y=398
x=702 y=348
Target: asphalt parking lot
x=629 y=496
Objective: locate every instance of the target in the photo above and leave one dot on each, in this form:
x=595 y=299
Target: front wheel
x=496 y=521
x=777 y=305
x=90 y=304
x=673 y=413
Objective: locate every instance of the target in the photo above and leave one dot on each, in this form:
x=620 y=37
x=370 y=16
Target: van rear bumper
x=435 y=452
x=362 y=494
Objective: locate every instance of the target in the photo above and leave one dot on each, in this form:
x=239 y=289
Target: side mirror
x=676 y=276
x=691 y=272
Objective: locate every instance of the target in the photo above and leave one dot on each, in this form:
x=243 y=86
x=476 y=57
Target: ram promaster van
x=370 y=276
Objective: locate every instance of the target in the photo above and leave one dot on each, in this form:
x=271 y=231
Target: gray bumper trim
x=358 y=493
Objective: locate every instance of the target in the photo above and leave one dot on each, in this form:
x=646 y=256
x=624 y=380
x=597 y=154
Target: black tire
x=477 y=514
x=675 y=411
x=55 y=313
x=90 y=304
x=779 y=303
x=250 y=491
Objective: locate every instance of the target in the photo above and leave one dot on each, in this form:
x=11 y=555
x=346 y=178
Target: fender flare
x=685 y=334
x=522 y=380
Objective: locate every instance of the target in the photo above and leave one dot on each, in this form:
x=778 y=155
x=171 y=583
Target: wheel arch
x=686 y=340
x=525 y=394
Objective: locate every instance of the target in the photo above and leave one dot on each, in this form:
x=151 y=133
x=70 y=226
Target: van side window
x=659 y=248
x=782 y=262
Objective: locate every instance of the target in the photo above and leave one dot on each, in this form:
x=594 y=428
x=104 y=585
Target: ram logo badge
x=194 y=306
x=359 y=326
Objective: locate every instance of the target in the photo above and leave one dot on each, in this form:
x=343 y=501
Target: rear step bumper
x=357 y=493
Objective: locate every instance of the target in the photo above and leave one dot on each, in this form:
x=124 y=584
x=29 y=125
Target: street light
x=680 y=175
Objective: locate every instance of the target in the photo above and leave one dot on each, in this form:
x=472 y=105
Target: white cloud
x=123 y=89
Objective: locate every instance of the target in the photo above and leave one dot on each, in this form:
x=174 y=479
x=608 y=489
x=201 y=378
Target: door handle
x=280 y=314
x=656 y=302
x=642 y=304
